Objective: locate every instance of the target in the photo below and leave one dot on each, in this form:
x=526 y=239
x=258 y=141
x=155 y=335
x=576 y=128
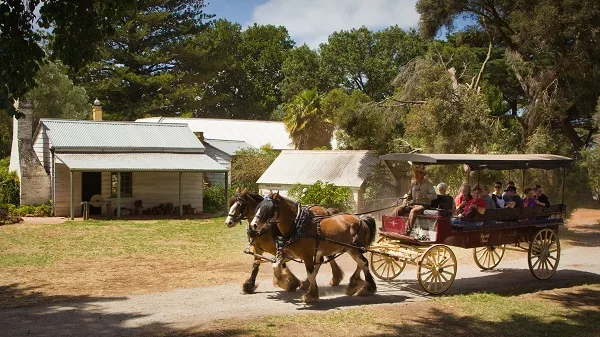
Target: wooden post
x=180 y=200
x=72 y=209
x=564 y=179
x=226 y=192
x=478 y=176
x=523 y=182
x=52 y=183
x=119 y=194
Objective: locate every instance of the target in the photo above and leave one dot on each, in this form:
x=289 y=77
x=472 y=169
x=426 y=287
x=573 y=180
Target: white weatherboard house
x=342 y=168
x=223 y=137
x=121 y=161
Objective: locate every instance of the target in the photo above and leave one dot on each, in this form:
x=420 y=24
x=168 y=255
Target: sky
x=312 y=21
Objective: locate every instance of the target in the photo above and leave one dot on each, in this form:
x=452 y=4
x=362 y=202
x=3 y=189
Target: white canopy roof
x=140 y=162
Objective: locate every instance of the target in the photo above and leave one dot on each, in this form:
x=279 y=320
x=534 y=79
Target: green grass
x=574 y=312
x=45 y=245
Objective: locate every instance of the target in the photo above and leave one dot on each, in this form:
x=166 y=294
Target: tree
x=368 y=61
x=77 y=27
x=248 y=165
x=138 y=71
x=308 y=126
x=551 y=50
x=55 y=95
x=302 y=70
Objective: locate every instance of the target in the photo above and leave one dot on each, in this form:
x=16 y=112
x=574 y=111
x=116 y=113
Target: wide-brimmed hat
x=419 y=168
x=510 y=188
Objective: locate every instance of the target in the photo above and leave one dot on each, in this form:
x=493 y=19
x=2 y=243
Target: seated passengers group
x=469 y=201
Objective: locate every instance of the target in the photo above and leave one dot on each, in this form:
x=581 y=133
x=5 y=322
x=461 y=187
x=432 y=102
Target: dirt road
x=187 y=308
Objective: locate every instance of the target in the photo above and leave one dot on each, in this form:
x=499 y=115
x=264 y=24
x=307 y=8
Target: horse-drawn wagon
x=531 y=230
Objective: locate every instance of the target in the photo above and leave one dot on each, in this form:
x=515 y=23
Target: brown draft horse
x=313 y=244
x=242 y=205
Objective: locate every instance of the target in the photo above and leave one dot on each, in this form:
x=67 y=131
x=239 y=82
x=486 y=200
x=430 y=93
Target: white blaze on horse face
x=255 y=222
x=230 y=221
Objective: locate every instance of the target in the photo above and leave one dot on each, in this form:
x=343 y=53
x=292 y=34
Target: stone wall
x=35 y=182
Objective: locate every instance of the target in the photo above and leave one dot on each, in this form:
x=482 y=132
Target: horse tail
x=370 y=221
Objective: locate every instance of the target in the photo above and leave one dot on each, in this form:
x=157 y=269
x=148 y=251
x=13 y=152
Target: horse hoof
x=334 y=282
x=365 y=291
x=304 y=285
x=350 y=291
x=293 y=284
x=310 y=299
x=249 y=288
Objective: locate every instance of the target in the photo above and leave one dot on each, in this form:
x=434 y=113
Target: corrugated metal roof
x=140 y=162
x=485 y=161
x=255 y=133
x=228 y=146
x=120 y=136
x=342 y=168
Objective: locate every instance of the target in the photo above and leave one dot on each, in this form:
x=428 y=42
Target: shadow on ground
x=81 y=317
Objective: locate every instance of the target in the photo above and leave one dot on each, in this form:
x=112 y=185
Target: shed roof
x=253 y=132
x=342 y=168
x=229 y=147
x=140 y=162
x=104 y=136
x=485 y=161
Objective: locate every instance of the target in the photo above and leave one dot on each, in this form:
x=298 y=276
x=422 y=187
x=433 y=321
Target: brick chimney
x=97 y=111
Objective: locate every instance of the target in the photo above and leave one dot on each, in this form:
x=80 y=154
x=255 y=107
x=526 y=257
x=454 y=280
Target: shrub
x=33 y=210
x=9 y=184
x=248 y=165
x=324 y=194
x=214 y=199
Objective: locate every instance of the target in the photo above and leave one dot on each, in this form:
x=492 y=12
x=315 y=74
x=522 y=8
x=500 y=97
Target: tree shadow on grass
x=35 y=314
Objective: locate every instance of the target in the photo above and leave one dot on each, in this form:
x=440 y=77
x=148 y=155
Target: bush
x=323 y=194
x=31 y=210
x=9 y=184
x=214 y=199
x=248 y=165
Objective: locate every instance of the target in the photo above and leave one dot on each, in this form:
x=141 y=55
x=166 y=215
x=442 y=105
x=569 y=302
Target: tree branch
x=487 y=58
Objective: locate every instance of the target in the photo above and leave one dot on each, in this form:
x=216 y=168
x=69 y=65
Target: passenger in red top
x=464 y=195
x=475 y=205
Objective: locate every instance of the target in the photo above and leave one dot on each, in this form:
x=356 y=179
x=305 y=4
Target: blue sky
x=312 y=21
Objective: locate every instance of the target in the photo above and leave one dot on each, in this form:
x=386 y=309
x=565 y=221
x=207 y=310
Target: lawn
x=111 y=258
x=560 y=312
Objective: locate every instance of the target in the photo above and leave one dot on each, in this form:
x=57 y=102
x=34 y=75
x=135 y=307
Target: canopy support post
x=226 y=192
x=523 y=181
x=71 y=197
x=180 y=200
x=119 y=194
x=564 y=178
x=478 y=176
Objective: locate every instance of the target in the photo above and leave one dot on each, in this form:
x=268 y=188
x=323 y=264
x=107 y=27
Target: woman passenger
x=464 y=195
x=529 y=200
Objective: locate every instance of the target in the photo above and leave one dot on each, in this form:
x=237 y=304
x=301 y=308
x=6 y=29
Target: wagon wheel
x=386 y=267
x=488 y=257
x=544 y=254
x=437 y=269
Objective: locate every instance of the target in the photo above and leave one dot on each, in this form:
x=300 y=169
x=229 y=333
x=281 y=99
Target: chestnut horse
x=311 y=238
x=242 y=205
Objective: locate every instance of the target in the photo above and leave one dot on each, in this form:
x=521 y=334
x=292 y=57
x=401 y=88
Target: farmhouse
x=342 y=168
x=122 y=162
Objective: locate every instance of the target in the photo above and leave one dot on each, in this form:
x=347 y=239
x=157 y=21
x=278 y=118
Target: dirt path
x=191 y=308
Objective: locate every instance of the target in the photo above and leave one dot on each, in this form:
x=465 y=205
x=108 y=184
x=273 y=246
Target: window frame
x=127 y=190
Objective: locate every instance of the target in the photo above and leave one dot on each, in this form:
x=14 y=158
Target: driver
x=421 y=193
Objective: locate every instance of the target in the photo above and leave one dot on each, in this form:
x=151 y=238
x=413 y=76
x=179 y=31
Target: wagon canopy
x=484 y=161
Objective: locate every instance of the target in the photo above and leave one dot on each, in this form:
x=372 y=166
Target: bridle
x=240 y=210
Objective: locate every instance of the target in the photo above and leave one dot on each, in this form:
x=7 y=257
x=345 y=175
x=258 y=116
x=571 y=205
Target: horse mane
x=256 y=197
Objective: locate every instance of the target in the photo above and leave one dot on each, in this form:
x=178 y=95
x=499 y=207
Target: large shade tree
x=553 y=49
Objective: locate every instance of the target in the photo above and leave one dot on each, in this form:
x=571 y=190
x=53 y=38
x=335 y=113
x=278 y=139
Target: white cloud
x=312 y=21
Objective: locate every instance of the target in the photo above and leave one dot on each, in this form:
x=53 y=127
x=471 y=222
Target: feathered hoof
x=304 y=285
x=335 y=282
x=310 y=298
x=366 y=291
x=292 y=285
x=249 y=287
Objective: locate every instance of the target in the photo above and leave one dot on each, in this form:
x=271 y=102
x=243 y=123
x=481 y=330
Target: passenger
x=464 y=195
x=497 y=195
x=504 y=195
x=443 y=201
x=474 y=206
x=514 y=201
x=421 y=193
x=487 y=198
x=540 y=197
x=529 y=200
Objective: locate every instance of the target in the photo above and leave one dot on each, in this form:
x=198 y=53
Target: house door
x=91 y=183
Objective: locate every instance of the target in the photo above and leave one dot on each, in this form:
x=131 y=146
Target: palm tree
x=308 y=125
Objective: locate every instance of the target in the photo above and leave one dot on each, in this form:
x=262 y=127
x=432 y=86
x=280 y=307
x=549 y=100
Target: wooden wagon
x=533 y=230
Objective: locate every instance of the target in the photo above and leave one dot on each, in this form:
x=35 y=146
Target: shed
x=155 y=163
x=340 y=167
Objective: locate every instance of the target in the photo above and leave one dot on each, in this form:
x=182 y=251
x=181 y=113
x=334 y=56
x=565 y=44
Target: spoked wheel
x=488 y=257
x=386 y=267
x=437 y=269
x=544 y=254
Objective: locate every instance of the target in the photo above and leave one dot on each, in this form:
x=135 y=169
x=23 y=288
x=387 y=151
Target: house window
x=126 y=184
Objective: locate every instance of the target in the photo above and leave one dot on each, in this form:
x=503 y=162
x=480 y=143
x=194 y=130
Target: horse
x=242 y=205
x=311 y=238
